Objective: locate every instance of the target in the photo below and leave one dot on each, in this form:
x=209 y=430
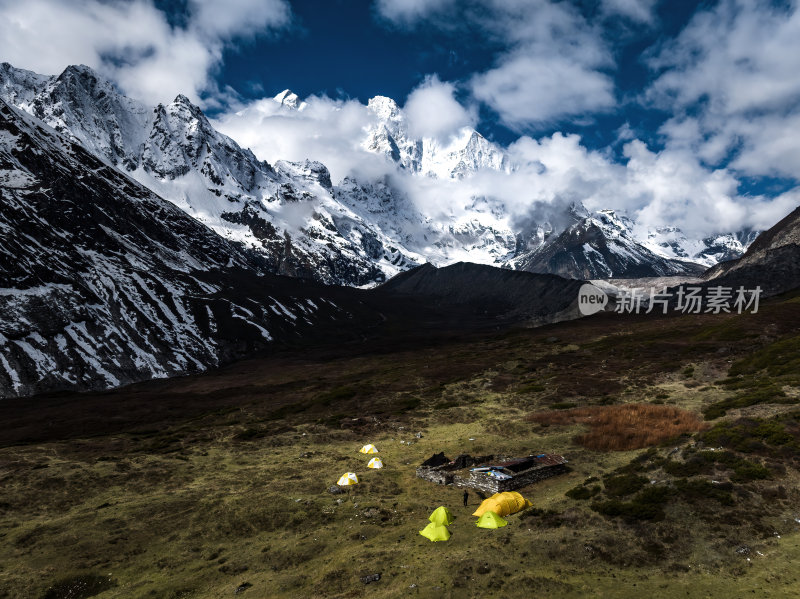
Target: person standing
x=466 y=497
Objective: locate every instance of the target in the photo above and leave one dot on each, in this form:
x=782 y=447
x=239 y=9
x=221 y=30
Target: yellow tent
x=369 y=448
x=490 y=520
x=348 y=478
x=375 y=463
x=441 y=515
x=435 y=532
x=503 y=504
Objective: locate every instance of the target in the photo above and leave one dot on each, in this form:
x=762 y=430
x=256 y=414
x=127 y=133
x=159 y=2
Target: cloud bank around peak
x=133 y=43
x=670 y=187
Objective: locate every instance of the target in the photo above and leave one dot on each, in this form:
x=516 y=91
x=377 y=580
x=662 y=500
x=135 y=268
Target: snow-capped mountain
x=772 y=262
x=290 y=100
x=670 y=242
x=287 y=210
x=465 y=153
x=599 y=245
x=353 y=232
x=103 y=283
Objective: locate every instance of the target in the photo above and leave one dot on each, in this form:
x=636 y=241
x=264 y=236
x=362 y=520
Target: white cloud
x=237 y=18
x=670 y=187
x=635 y=10
x=407 y=12
x=132 y=42
x=554 y=63
x=526 y=89
x=555 y=66
x=433 y=111
x=326 y=130
x=654 y=188
x=732 y=78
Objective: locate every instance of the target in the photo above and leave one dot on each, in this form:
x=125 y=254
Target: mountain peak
x=384 y=107
x=181 y=99
x=289 y=99
x=184 y=104
x=79 y=70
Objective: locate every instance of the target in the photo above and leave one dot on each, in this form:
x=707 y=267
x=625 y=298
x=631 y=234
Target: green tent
x=441 y=515
x=435 y=532
x=490 y=520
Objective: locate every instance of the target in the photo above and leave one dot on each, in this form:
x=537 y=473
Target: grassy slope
x=194 y=506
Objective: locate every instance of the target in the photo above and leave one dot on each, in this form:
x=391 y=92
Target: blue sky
x=677 y=112
x=346 y=48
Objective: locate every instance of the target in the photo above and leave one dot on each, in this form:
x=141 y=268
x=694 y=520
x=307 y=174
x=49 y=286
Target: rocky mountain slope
x=103 y=283
x=352 y=232
x=599 y=246
x=772 y=261
x=286 y=210
x=486 y=291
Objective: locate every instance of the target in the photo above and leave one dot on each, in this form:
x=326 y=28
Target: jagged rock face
x=465 y=154
x=390 y=135
x=103 y=283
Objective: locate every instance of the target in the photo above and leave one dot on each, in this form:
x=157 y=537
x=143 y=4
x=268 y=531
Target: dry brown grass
x=624 y=427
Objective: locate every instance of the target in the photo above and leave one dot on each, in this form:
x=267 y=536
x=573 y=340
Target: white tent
x=348 y=478
x=375 y=463
x=369 y=448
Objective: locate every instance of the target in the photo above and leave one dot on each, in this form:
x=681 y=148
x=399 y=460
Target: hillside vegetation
x=682 y=435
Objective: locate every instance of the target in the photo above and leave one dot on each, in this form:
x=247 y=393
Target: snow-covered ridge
x=355 y=231
x=103 y=283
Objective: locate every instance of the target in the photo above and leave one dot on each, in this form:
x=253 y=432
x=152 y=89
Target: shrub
x=766 y=393
x=623 y=484
x=581 y=492
x=629 y=510
x=779 y=435
x=748 y=471
x=699 y=490
x=694 y=465
x=531 y=388
x=624 y=427
x=645 y=505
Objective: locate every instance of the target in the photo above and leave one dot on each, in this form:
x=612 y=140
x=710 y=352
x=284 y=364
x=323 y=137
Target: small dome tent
x=441 y=515
x=375 y=463
x=490 y=520
x=368 y=448
x=348 y=478
x=435 y=532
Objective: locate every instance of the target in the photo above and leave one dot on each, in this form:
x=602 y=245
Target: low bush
x=582 y=492
x=700 y=490
x=692 y=466
x=623 y=484
x=767 y=393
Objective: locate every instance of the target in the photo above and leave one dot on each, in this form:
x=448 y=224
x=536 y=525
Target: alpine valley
x=139 y=242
